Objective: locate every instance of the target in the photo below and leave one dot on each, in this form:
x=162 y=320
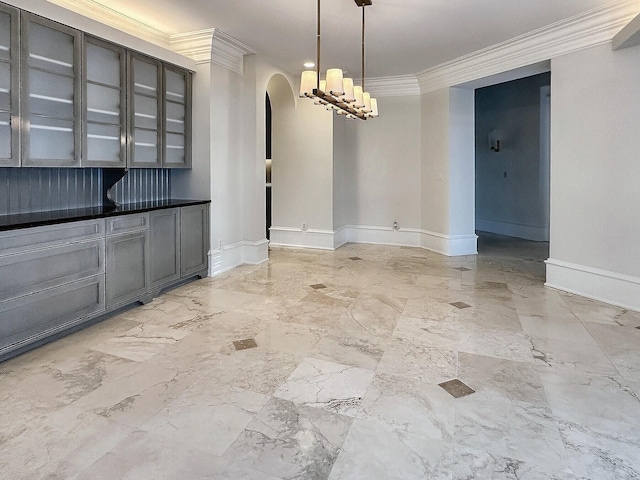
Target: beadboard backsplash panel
x=24 y=190
x=143 y=185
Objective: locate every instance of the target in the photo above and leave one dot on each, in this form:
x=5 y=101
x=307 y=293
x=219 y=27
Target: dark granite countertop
x=38 y=219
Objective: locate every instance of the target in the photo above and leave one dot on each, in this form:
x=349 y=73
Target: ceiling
x=403 y=36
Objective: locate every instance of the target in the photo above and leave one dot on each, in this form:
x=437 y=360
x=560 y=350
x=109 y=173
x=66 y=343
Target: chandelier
x=337 y=92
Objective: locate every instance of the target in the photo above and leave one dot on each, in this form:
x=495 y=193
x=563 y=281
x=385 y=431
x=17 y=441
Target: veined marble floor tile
x=291 y=441
x=516 y=381
x=517 y=430
x=571 y=330
x=413 y=408
x=290 y=337
x=507 y=345
x=428 y=364
x=59 y=444
x=442 y=334
x=475 y=464
x=598 y=419
x=563 y=357
x=327 y=385
x=357 y=350
x=141 y=342
x=375 y=451
x=207 y=416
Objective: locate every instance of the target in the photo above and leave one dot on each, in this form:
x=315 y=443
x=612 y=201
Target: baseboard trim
x=601 y=285
x=231 y=256
x=298 y=238
x=528 y=232
x=450 y=245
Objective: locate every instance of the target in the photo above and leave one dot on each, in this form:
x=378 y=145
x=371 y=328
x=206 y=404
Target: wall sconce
x=495 y=140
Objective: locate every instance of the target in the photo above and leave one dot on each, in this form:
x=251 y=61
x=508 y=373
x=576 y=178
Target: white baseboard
x=296 y=237
x=404 y=237
x=601 y=285
x=528 y=232
x=234 y=255
x=449 y=245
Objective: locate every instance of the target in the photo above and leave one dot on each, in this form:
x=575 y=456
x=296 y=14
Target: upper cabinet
x=50 y=82
x=104 y=99
x=68 y=99
x=9 y=82
x=159 y=114
x=177 y=118
x=145 y=112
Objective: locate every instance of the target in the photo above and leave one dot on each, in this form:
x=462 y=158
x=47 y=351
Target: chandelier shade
x=337 y=92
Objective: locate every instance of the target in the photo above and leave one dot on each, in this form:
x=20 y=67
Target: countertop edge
x=31 y=220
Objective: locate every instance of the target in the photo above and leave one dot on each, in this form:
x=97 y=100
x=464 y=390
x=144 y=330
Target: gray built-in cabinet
x=87 y=102
x=58 y=277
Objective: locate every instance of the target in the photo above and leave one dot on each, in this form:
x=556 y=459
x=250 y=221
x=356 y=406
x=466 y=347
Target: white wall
x=595 y=174
x=513 y=205
x=345 y=175
x=301 y=174
x=387 y=165
x=448 y=223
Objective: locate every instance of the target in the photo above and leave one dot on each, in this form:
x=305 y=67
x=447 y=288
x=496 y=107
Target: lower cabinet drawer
x=41 y=269
x=32 y=317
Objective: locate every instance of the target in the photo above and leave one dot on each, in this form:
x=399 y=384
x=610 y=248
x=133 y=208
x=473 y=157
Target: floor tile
x=327 y=385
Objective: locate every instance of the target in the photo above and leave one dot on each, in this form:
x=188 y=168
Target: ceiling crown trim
x=589 y=29
x=212 y=45
x=396 y=86
x=113 y=18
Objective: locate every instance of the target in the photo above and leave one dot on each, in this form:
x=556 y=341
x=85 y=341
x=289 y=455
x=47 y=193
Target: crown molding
x=629 y=36
x=589 y=29
x=103 y=14
x=396 y=86
x=212 y=45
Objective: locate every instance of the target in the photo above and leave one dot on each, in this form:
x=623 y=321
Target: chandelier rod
x=318 y=52
x=363 y=8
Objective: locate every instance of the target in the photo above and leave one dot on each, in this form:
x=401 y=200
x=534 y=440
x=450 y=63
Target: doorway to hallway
x=512 y=167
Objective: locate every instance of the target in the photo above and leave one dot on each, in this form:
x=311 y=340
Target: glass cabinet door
x=50 y=93
x=145 y=112
x=104 y=116
x=9 y=88
x=177 y=118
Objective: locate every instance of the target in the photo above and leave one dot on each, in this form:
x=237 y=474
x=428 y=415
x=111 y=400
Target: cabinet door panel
x=51 y=93
x=194 y=237
x=145 y=112
x=29 y=272
x=164 y=233
x=177 y=118
x=104 y=93
x=27 y=319
x=127 y=268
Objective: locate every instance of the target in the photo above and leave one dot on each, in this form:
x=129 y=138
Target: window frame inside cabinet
x=124 y=107
x=131 y=93
x=188 y=78
x=15 y=127
x=26 y=20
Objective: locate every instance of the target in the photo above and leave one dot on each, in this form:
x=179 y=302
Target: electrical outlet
x=395 y=225
x=304 y=226
x=219 y=243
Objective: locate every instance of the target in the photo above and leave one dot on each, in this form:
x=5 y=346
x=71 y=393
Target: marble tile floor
x=340 y=382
